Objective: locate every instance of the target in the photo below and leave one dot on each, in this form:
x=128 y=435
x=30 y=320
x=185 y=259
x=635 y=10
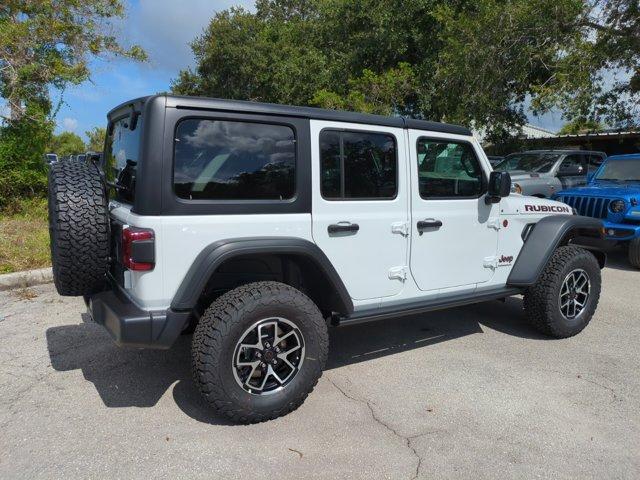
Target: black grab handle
x=423 y=225
x=343 y=227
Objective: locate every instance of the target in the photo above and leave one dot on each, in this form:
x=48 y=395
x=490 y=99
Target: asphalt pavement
x=472 y=392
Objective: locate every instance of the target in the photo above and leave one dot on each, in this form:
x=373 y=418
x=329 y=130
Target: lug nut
x=258 y=354
x=274 y=361
x=262 y=364
x=267 y=345
x=277 y=350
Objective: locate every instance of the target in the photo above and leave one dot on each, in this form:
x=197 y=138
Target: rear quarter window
x=122 y=158
x=233 y=160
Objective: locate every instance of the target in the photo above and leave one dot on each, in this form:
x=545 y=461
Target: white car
x=262 y=225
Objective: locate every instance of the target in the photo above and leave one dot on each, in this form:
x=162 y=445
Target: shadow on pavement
x=618 y=259
x=138 y=378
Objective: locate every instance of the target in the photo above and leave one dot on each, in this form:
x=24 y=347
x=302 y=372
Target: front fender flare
x=547 y=235
x=213 y=255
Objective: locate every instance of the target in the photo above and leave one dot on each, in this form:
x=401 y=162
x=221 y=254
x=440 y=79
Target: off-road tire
x=541 y=301
x=220 y=328
x=78 y=227
x=634 y=252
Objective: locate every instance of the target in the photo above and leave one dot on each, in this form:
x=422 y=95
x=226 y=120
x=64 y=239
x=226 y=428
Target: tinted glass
x=229 y=160
x=528 y=162
x=594 y=162
x=358 y=165
x=573 y=161
x=620 y=171
x=330 y=165
x=448 y=170
x=122 y=158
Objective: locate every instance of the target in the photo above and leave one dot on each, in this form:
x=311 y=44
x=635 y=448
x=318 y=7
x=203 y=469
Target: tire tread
x=78 y=227
x=214 y=329
x=540 y=299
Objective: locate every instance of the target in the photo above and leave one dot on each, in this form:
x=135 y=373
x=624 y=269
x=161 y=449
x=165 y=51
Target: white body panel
x=456 y=254
x=475 y=249
x=179 y=239
x=363 y=259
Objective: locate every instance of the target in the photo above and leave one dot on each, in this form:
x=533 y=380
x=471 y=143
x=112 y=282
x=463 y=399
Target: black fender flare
x=548 y=234
x=213 y=255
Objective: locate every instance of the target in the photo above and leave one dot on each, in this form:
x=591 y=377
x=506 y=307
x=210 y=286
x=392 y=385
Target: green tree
x=96 y=138
x=472 y=62
x=22 y=147
x=67 y=143
x=580 y=125
x=48 y=43
x=45 y=44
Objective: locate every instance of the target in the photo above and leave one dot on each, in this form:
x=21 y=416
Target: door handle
x=343 y=227
x=424 y=224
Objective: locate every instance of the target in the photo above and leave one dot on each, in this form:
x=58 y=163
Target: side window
x=594 y=162
x=358 y=165
x=448 y=169
x=573 y=163
x=233 y=160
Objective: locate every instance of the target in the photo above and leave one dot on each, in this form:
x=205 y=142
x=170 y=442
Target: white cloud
x=164 y=28
x=69 y=124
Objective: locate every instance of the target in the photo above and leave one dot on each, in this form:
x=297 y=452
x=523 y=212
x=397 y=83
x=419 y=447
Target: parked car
x=259 y=225
x=50 y=158
x=495 y=159
x=542 y=173
x=613 y=194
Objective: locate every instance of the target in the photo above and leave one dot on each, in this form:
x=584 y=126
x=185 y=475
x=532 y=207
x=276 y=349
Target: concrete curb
x=26 y=278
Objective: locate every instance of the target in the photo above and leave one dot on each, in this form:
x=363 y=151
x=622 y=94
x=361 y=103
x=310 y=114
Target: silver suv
x=542 y=173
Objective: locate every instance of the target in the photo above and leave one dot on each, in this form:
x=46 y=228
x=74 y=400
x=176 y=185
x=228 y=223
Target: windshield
x=122 y=156
x=620 y=171
x=528 y=162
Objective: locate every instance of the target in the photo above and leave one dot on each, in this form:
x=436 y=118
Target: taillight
x=138 y=248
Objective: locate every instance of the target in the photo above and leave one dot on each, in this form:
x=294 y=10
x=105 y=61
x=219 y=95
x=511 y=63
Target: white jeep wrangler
x=259 y=225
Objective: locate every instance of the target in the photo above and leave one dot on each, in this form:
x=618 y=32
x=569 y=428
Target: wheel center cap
x=268 y=355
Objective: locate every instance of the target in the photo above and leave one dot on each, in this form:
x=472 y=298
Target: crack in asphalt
x=581 y=376
x=406 y=439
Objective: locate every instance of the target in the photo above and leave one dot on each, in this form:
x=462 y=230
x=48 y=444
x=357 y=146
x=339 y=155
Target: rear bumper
x=620 y=231
x=129 y=325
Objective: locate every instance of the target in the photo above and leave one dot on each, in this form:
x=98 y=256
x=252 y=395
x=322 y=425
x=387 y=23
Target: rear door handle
x=343 y=227
x=425 y=224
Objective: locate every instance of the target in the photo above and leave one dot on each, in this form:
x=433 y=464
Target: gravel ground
x=472 y=392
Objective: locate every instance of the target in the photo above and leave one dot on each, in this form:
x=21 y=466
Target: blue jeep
x=612 y=194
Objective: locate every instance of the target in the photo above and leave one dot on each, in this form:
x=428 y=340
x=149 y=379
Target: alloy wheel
x=574 y=293
x=268 y=356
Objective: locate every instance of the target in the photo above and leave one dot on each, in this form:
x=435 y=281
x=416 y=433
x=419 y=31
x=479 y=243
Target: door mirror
x=570 y=170
x=499 y=187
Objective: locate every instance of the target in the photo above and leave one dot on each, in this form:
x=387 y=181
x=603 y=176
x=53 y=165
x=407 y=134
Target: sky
x=164 y=28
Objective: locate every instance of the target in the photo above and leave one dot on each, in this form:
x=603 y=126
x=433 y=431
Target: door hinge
x=400 y=227
x=493 y=223
x=398 y=273
x=491 y=262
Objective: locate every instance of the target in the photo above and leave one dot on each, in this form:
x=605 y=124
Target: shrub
x=23 y=171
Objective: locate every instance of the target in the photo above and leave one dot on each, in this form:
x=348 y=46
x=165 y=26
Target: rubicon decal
x=547 y=208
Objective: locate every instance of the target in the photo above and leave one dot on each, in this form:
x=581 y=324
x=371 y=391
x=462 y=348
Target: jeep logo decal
x=505 y=259
x=547 y=208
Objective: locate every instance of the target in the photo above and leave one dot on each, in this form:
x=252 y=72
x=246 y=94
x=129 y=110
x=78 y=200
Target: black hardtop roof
x=205 y=103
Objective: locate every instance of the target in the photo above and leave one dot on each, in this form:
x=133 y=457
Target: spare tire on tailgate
x=79 y=227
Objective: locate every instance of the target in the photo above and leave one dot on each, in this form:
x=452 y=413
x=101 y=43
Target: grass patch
x=24 y=236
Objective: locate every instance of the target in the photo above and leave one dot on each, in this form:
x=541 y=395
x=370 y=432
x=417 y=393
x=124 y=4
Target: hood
x=605 y=189
x=520 y=175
